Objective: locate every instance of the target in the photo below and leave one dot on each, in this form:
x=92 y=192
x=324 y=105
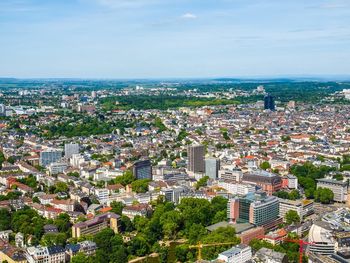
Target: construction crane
x=301 y=246
x=301 y=243
x=200 y=245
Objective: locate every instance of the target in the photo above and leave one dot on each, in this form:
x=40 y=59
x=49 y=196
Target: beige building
x=97 y=224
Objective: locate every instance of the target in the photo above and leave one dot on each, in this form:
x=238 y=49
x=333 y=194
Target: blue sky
x=173 y=38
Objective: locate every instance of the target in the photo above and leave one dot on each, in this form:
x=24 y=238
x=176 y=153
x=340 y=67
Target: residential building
x=339 y=188
x=142 y=170
x=97 y=224
x=238 y=254
x=11 y=254
x=235 y=175
x=137 y=210
x=195 y=155
x=102 y=194
x=53 y=254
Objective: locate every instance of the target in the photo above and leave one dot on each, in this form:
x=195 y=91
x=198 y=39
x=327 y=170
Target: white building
x=102 y=194
x=235 y=188
x=238 y=254
x=302 y=207
x=70 y=149
x=77 y=160
x=235 y=175
x=56 y=168
x=339 y=188
x=53 y=254
x=292 y=181
x=321 y=236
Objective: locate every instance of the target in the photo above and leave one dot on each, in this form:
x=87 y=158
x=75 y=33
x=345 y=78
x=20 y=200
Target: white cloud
x=189 y=16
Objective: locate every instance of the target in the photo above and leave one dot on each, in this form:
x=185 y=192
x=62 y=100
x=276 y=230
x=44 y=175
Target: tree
x=220 y=235
x=51 y=239
x=265 y=165
x=139 y=246
x=126 y=224
x=140 y=186
x=324 y=195
x=294 y=195
x=117 y=207
x=62 y=221
x=2 y=158
x=202 y=182
x=125 y=179
x=61 y=187
x=80 y=257
x=292 y=217
x=5 y=219
x=196 y=233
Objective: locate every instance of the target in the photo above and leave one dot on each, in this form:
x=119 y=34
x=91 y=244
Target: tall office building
x=142 y=170
x=196 y=159
x=50 y=156
x=70 y=149
x=256 y=208
x=269 y=102
x=2 y=109
x=212 y=167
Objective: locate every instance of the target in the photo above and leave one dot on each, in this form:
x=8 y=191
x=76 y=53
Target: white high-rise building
x=2 y=109
x=70 y=149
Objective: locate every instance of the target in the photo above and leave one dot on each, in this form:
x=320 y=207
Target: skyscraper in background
x=212 y=167
x=196 y=159
x=269 y=102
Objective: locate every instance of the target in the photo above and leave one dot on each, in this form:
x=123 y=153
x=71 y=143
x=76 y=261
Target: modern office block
x=70 y=149
x=196 y=159
x=212 y=167
x=50 y=156
x=142 y=170
x=269 y=102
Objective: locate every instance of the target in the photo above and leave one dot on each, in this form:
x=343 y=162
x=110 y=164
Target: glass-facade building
x=143 y=170
x=255 y=208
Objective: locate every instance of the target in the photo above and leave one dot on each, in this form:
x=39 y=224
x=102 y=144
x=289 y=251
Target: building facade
x=97 y=224
x=238 y=254
x=70 y=149
x=339 y=188
x=212 y=167
x=50 y=156
x=196 y=162
x=142 y=170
